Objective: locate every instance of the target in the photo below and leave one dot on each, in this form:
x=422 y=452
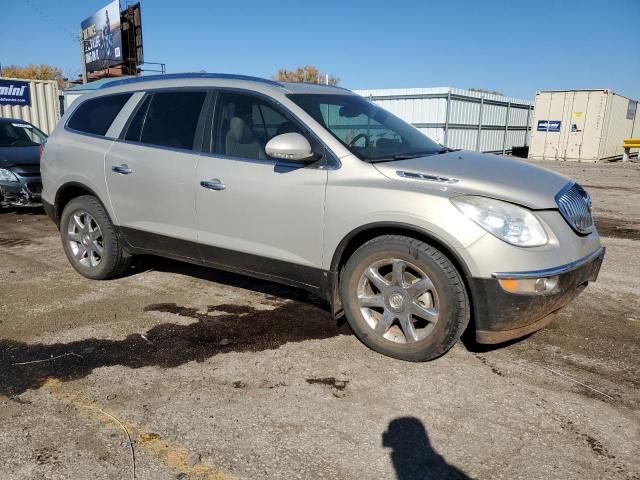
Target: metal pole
x=446 y=120
x=479 y=124
x=506 y=129
x=83 y=64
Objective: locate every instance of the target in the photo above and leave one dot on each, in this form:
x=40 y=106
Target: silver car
x=315 y=187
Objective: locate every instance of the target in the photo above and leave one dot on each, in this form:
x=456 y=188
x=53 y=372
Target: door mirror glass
x=289 y=146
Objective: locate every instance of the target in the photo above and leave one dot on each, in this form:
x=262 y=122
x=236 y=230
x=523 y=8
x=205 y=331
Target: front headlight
x=513 y=224
x=7 y=175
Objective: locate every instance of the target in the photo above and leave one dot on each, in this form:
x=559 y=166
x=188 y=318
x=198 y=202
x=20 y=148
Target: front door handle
x=214 y=184
x=122 y=169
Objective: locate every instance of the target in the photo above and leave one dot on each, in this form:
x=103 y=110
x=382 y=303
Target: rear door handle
x=214 y=184
x=122 y=169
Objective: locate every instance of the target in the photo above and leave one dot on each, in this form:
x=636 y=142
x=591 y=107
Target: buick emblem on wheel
x=395 y=300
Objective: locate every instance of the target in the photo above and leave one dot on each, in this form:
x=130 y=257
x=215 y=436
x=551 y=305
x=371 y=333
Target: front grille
x=35 y=188
x=575 y=206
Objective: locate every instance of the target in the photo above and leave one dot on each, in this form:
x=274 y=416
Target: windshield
x=368 y=131
x=16 y=134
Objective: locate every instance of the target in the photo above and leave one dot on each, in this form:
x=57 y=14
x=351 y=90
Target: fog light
x=529 y=285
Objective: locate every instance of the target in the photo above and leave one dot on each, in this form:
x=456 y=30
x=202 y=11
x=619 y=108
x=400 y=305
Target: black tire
x=447 y=287
x=114 y=259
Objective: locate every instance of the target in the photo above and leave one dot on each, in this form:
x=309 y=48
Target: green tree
x=36 y=72
x=305 y=74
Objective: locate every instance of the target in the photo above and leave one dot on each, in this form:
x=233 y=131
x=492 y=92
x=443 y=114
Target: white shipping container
x=581 y=125
x=459 y=118
x=44 y=108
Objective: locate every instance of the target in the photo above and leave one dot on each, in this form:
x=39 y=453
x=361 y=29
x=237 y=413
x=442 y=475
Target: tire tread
x=463 y=311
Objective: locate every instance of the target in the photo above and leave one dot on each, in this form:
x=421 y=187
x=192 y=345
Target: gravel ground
x=204 y=374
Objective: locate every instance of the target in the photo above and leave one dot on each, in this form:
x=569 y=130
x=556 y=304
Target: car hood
x=504 y=178
x=10 y=156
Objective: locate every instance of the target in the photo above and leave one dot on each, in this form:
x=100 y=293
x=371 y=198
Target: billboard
x=102 y=38
x=14 y=92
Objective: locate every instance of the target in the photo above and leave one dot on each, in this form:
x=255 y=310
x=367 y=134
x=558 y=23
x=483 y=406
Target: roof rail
x=177 y=76
x=316 y=85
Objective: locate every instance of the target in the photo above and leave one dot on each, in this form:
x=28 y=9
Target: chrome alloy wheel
x=85 y=239
x=398 y=300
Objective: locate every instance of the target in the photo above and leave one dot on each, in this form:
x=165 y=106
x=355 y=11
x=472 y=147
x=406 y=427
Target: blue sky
x=516 y=47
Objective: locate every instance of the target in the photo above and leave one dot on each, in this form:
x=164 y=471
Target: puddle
x=223 y=328
x=617 y=228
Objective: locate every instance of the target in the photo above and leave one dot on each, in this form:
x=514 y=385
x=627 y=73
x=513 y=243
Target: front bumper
x=501 y=316
x=25 y=192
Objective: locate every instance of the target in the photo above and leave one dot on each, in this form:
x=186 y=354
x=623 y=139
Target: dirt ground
x=190 y=373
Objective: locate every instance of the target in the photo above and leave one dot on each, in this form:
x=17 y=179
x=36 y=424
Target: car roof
x=12 y=120
x=218 y=79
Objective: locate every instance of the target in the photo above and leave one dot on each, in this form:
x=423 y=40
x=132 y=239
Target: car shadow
x=412 y=454
x=22 y=210
x=221 y=329
x=273 y=290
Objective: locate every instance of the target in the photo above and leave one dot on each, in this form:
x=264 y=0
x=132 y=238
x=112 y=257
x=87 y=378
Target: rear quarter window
x=95 y=116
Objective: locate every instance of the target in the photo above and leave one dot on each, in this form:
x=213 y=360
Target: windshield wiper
x=408 y=156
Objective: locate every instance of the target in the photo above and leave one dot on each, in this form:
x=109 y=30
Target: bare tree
x=305 y=74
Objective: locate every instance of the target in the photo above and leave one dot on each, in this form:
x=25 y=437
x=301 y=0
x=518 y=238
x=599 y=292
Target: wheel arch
x=359 y=236
x=68 y=192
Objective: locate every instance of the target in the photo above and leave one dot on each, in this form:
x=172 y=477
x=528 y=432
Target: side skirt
x=315 y=280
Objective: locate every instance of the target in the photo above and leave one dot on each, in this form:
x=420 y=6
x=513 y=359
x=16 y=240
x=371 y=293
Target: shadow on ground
x=223 y=328
x=277 y=291
x=22 y=210
x=413 y=456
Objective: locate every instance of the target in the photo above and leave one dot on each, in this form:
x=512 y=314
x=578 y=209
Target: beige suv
x=315 y=187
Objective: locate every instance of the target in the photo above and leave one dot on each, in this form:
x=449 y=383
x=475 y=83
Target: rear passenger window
x=172 y=119
x=96 y=115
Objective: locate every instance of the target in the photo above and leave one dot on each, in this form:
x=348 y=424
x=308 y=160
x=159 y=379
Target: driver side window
x=244 y=124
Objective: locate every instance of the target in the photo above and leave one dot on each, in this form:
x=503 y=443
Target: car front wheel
x=404 y=298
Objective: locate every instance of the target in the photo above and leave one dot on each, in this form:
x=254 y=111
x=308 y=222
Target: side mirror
x=289 y=146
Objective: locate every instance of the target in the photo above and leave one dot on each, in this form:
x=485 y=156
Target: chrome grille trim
x=575 y=206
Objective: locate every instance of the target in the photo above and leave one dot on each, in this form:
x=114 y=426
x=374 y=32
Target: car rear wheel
x=90 y=241
x=404 y=298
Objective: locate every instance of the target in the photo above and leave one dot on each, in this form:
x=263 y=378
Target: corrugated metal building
x=459 y=118
x=582 y=125
x=44 y=108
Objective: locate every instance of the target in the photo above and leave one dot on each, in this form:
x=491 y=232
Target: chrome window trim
x=550 y=272
x=318 y=165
